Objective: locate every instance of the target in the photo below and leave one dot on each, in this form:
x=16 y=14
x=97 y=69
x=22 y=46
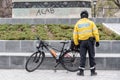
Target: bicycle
x=69 y=59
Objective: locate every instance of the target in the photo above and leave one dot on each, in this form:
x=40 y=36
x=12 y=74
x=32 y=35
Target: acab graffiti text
x=45 y=11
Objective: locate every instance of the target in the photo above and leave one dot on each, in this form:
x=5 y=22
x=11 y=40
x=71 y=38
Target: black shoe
x=80 y=73
x=93 y=73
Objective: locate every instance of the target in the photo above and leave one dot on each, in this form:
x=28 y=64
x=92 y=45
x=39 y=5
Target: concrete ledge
x=107 y=55
x=54 y=20
x=18 y=60
x=15 y=54
x=97 y=55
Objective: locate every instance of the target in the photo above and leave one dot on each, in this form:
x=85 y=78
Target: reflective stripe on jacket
x=84 y=29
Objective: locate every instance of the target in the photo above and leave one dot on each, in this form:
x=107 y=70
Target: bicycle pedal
x=36 y=60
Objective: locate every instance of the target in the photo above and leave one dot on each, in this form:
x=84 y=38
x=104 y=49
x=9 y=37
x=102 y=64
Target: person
x=86 y=35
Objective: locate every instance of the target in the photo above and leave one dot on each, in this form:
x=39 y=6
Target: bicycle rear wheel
x=70 y=60
x=34 y=61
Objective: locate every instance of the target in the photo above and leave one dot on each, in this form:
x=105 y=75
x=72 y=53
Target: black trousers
x=87 y=46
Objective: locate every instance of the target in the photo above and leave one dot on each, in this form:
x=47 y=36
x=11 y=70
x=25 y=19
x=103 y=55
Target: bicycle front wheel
x=70 y=60
x=34 y=61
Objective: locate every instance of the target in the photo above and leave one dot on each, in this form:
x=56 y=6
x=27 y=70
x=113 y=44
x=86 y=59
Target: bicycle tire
x=70 y=60
x=34 y=61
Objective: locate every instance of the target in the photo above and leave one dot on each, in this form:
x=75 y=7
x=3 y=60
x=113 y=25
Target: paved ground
x=12 y=74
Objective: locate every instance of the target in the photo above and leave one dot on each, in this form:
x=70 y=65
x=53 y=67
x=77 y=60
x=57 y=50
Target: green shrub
x=117 y=37
x=47 y=32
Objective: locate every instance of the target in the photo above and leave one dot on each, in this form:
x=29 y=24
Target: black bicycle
x=69 y=59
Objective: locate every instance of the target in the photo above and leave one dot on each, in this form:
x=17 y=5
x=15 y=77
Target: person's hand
x=77 y=46
x=97 y=44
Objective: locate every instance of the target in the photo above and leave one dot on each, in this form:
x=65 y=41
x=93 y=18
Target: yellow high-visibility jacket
x=84 y=29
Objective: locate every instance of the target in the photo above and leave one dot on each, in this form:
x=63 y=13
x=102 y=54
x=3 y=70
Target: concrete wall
x=29 y=46
x=14 y=53
x=53 y=20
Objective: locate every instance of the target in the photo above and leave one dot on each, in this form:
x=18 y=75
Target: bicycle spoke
x=71 y=60
x=34 y=61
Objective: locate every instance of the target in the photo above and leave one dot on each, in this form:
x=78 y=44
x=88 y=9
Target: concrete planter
x=13 y=54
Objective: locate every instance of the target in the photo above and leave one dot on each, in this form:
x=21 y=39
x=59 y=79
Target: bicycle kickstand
x=55 y=67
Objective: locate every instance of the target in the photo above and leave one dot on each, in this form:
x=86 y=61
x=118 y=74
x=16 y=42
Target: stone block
x=119 y=20
x=73 y=21
x=105 y=47
x=2 y=46
x=116 y=47
x=112 y=20
x=4 y=62
x=17 y=62
x=13 y=21
x=99 y=20
x=27 y=46
x=20 y=21
x=56 y=45
x=113 y=63
x=63 y=21
x=2 y=21
x=12 y=46
x=38 y=21
x=5 y=21
x=51 y=21
x=100 y=63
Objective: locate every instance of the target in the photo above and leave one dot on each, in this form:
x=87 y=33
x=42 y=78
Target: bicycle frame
x=43 y=44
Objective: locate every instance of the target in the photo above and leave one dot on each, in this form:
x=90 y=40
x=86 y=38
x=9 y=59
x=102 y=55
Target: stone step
x=17 y=61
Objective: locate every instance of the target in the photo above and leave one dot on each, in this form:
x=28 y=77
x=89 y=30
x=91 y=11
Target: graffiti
x=45 y=11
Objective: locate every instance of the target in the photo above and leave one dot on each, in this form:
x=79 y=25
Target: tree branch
x=117 y=2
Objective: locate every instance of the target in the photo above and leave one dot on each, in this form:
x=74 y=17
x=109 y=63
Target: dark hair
x=84 y=14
